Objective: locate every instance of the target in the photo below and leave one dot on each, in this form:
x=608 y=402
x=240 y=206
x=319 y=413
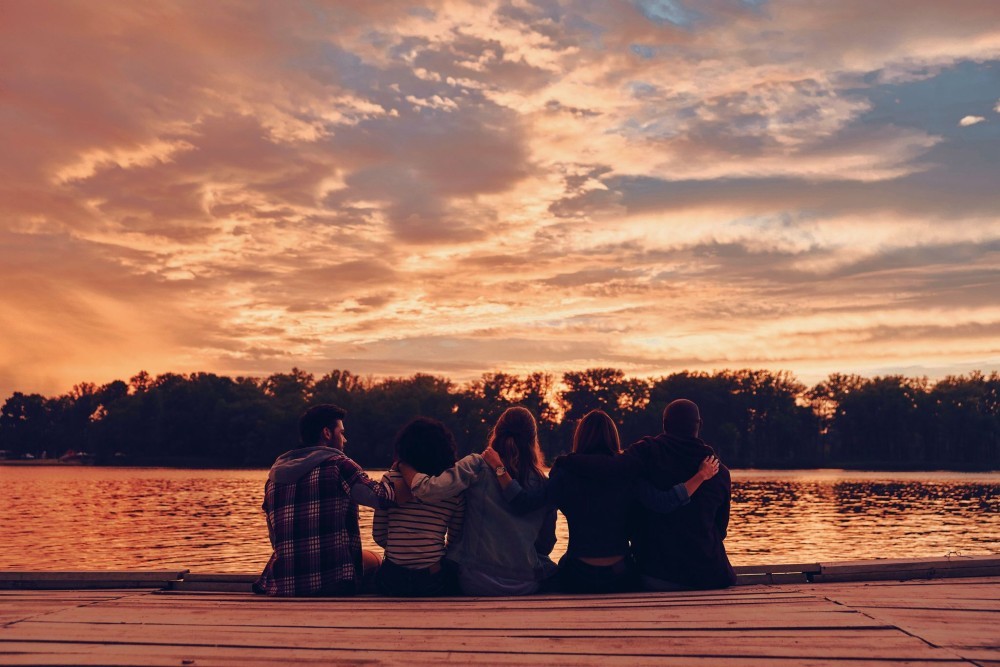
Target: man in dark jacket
x=682 y=549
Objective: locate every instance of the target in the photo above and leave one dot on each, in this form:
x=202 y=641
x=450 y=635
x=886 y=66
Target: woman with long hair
x=597 y=558
x=500 y=553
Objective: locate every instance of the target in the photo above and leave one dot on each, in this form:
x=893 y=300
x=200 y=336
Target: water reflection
x=210 y=520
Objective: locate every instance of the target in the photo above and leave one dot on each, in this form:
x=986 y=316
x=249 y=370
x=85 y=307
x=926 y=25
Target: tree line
x=754 y=418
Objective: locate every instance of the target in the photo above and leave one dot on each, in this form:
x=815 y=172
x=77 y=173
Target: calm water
x=210 y=520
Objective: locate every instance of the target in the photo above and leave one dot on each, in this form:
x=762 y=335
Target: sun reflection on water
x=210 y=520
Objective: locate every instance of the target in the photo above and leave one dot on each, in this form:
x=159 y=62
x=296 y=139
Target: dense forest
x=754 y=418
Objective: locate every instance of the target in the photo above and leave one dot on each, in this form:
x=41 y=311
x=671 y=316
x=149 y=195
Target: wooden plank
x=896 y=645
x=827 y=615
x=27 y=580
x=772 y=578
x=91 y=575
x=156 y=656
x=227 y=577
x=834 y=575
x=212 y=586
x=954 y=629
x=456 y=604
x=908 y=564
x=777 y=568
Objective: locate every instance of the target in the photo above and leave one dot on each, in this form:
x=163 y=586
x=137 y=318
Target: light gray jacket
x=494 y=541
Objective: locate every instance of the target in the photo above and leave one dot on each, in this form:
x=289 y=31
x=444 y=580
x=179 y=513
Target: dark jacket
x=685 y=546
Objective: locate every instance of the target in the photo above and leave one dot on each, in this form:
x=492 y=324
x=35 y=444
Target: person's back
x=413 y=534
x=499 y=553
x=311 y=505
x=313 y=526
x=595 y=513
x=596 y=505
x=684 y=547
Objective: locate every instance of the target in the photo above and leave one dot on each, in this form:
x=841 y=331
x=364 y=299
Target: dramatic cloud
x=453 y=187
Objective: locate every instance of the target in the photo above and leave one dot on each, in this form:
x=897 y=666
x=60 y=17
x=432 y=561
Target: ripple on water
x=133 y=518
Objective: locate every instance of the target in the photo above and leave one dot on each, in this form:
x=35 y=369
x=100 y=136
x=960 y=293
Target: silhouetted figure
x=597 y=509
x=682 y=549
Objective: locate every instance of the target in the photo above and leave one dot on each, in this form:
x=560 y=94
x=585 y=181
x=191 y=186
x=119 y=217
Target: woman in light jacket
x=500 y=553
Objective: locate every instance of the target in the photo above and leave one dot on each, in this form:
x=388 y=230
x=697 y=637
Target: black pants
x=575 y=576
x=398 y=581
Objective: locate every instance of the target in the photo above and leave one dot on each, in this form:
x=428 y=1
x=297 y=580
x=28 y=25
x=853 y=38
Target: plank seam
x=494 y=652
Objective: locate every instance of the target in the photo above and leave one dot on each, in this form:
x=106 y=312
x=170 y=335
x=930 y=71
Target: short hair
x=596 y=433
x=427 y=445
x=681 y=417
x=315 y=419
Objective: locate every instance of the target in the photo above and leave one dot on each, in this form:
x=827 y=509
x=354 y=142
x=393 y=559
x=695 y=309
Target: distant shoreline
x=56 y=463
x=44 y=462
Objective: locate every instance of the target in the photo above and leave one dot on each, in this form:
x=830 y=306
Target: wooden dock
x=952 y=618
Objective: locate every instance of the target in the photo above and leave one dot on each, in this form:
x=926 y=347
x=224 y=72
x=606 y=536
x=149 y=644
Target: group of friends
x=651 y=517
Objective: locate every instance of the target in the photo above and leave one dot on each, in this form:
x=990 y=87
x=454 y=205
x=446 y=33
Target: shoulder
x=473 y=461
x=345 y=464
x=642 y=445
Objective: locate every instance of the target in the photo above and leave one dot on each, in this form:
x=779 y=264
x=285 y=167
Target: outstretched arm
x=450 y=483
x=363 y=490
x=679 y=495
x=519 y=499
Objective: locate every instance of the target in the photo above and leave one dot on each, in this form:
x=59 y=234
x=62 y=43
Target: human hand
x=709 y=467
x=492 y=458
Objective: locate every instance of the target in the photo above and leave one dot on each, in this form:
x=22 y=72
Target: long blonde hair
x=515 y=439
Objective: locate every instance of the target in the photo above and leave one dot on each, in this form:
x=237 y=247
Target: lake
x=75 y=518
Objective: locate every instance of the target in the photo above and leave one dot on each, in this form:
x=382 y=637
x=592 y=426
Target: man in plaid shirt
x=311 y=501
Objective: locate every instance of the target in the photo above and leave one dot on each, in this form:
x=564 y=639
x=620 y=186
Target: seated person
x=311 y=502
x=413 y=534
x=597 y=510
x=684 y=549
x=499 y=553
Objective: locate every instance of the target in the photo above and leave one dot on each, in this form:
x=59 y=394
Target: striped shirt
x=413 y=535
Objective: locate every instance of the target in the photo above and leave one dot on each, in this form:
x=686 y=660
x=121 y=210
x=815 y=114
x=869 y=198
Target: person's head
x=681 y=417
x=515 y=439
x=596 y=433
x=323 y=425
x=427 y=445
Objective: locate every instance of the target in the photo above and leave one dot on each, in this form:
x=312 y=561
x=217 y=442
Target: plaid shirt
x=313 y=527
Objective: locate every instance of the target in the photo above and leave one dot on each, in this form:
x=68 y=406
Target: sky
x=463 y=187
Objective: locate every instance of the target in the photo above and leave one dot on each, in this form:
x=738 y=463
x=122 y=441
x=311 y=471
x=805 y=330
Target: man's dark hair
x=427 y=445
x=681 y=417
x=315 y=419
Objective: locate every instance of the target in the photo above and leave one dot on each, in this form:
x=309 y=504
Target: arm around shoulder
x=451 y=482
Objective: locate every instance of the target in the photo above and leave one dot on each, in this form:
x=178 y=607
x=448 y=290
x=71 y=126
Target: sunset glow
x=532 y=185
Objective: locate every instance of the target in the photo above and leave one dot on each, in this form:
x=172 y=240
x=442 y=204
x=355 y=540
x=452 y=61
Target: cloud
x=971 y=120
x=470 y=186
